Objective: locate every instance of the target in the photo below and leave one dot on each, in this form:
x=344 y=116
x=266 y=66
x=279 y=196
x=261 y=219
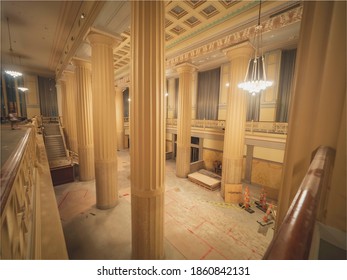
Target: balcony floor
x=197 y=225
x=10 y=139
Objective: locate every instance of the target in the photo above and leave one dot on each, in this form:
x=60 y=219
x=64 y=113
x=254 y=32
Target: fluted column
x=84 y=118
x=235 y=122
x=147 y=129
x=71 y=109
x=120 y=118
x=104 y=120
x=184 y=118
x=318 y=109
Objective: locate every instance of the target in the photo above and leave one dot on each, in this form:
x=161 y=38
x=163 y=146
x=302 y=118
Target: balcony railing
x=294 y=236
x=19 y=207
x=267 y=127
x=30 y=227
x=251 y=127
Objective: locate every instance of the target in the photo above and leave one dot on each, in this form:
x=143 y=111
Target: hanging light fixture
x=23 y=89
x=12 y=72
x=255 y=80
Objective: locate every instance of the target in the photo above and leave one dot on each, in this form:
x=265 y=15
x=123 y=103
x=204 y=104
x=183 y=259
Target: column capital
x=60 y=80
x=124 y=82
x=118 y=90
x=244 y=49
x=76 y=61
x=186 y=68
x=65 y=75
x=99 y=37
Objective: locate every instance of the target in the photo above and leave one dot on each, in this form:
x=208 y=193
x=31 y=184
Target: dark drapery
x=48 y=97
x=11 y=93
x=253 y=107
x=285 y=85
x=208 y=94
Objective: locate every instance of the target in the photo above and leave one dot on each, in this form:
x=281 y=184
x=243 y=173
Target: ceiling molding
x=68 y=10
x=271 y=24
x=249 y=5
x=90 y=9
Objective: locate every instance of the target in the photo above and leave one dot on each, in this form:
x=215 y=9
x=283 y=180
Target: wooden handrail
x=293 y=239
x=10 y=169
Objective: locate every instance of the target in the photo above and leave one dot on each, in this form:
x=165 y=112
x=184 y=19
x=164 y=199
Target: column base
x=233 y=193
x=182 y=161
x=148 y=225
x=86 y=163
x=106 y=184
x=108 y=206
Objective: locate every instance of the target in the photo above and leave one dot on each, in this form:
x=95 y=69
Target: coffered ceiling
x=45 y=35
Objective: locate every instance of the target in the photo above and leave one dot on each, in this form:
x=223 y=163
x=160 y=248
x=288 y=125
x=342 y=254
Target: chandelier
x=11 y=72
x=255 y=79
x=23 y=89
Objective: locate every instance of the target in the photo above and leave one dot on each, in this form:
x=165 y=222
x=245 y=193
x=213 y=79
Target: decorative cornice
x=274 y=23
x=123 y=82
x=116 y=38
x=206 y=27
x=186 y=67
x=91 y=9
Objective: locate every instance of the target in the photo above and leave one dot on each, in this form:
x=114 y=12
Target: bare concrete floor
x=198 y=224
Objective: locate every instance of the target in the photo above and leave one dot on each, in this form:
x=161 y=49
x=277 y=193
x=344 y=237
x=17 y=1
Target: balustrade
x=18 y=202
x=251 y=127
x=24 y=216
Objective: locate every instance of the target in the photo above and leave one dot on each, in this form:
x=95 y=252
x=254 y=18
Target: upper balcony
x=265 y=134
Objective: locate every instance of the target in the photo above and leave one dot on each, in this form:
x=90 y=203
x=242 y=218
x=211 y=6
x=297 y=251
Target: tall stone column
x=120 y=118
x=184 y=118
x=84 y=118
x=235 y=122
x=318 y=109
x=249 y=162
x=147 y=129
x=71 y=108
x=104 y=117
x=194 y=94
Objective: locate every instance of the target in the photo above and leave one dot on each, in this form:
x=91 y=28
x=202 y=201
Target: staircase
x=54 y=142
x=60 y=163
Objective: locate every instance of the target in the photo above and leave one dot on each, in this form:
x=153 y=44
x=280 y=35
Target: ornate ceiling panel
x=190 y=27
